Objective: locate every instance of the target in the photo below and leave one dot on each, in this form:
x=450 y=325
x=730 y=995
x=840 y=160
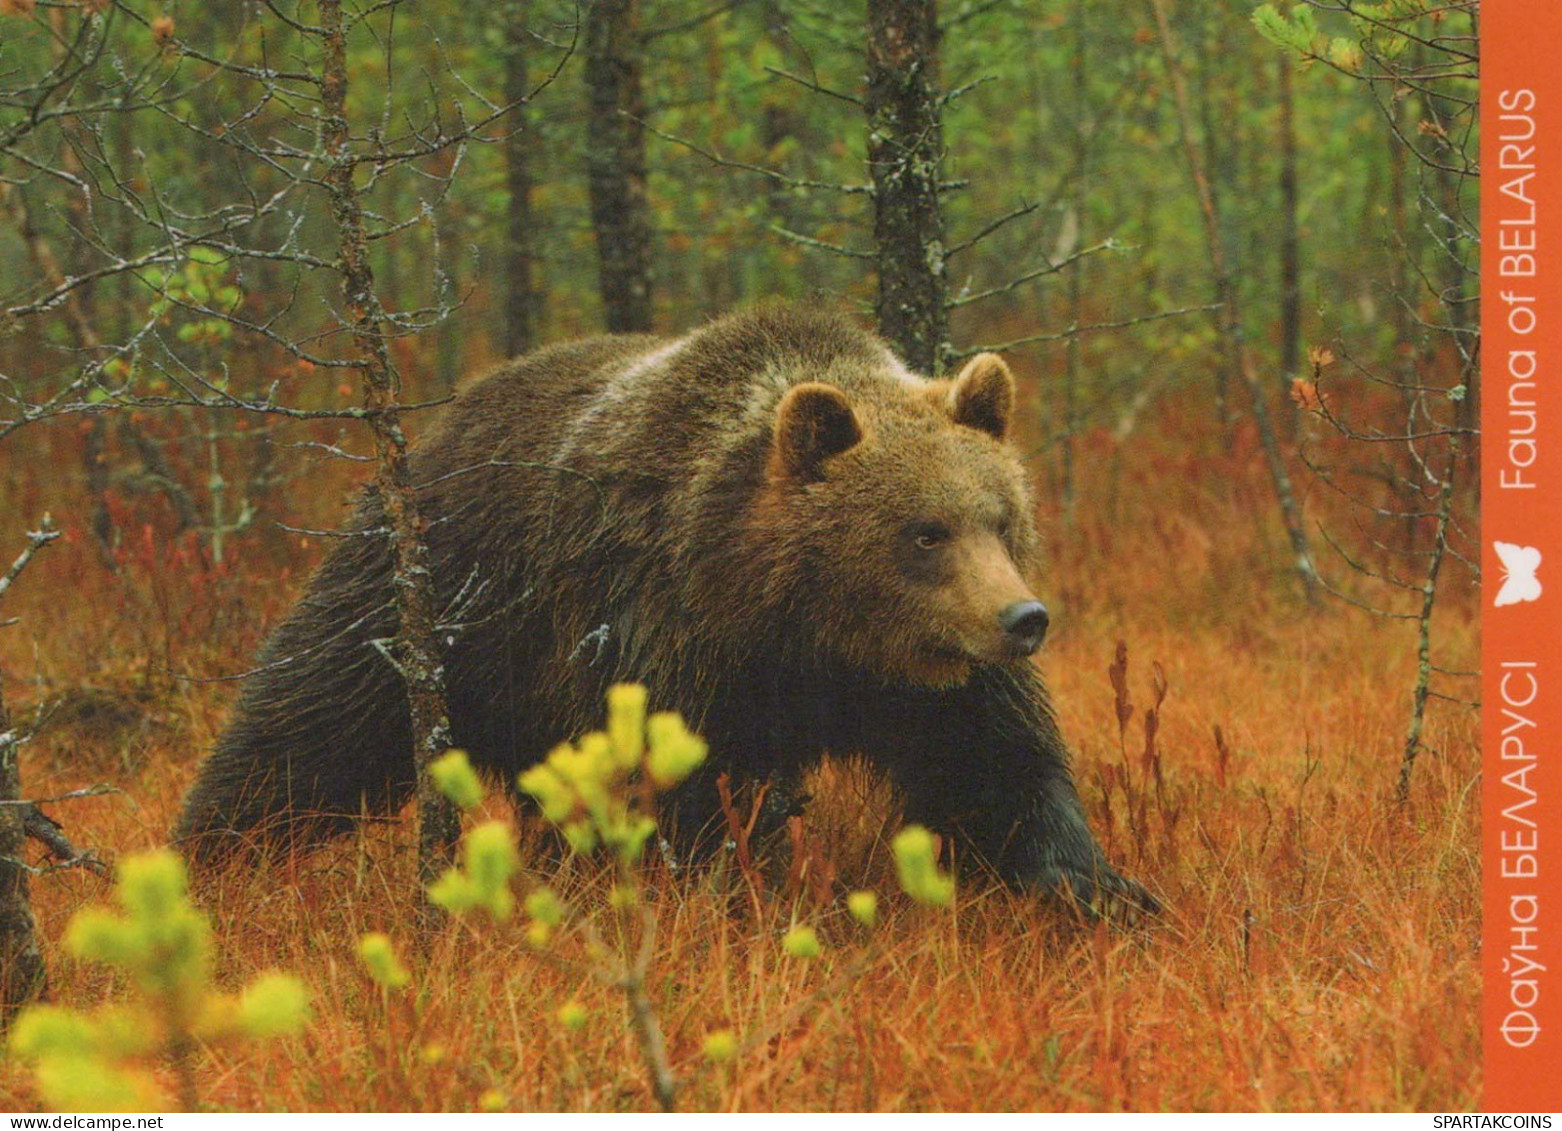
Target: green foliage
x=483 y=884
x=382 y=962
x=273 y=1005
x=77 y=1063
x=599 y=792
x=675 y=752
x=195 y=298
x=453 y=774
x=545 y=912
x=626 y=723
x=1382 y=31
x=586 y=788
x=720 y=1046
x=162 y=943
x=544 y=906
x=864 y=907
x=1298 y=32
x=916 y=865
x=801 y=941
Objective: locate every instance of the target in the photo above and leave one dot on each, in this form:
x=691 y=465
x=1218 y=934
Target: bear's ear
x=983 y=395
x=813 y=423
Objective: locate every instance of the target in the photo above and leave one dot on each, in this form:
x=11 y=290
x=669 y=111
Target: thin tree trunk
x=23 y=977
x=82 y=314
x=1290 y=248
x=22 y=974
x=780 y=121
x=615 y=162
x=1423 y=684
x=416 y=648
x=905 y=159
x=520 y=300
x=1457 y=309
x=94 y=466
x=1211 y=136
x=1228 y=316
x=1076 y=284
x=448 y=335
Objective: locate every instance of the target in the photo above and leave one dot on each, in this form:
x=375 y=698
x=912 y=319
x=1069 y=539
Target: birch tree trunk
x=416 y=646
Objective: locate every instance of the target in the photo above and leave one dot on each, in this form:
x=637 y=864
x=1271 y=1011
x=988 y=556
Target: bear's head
x=907 y=518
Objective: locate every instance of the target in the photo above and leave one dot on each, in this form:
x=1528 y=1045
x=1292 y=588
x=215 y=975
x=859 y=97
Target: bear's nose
x=1025 y=623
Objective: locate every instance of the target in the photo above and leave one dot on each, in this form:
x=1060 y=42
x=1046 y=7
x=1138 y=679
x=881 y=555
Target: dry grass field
x=1319 y=948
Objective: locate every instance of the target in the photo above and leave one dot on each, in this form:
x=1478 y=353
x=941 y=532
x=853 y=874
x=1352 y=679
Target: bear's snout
x=1024 y=625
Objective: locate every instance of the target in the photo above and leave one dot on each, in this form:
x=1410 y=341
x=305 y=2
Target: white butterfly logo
x=1519 y=564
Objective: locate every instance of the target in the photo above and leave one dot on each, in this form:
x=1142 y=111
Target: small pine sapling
x=98 y=1061
x=601 y=794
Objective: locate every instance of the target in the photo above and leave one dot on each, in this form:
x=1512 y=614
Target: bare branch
x=820 y=245
x=771 y=174
x=813 y=85
x=1048 y=268
x=36 y=540
x=1024 y=209
x=1075 y=331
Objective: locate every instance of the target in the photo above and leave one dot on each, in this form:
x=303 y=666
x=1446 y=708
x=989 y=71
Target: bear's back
x=525 y=403
x=675 y=410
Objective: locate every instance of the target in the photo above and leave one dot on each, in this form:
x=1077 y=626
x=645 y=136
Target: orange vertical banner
x=1521 y=500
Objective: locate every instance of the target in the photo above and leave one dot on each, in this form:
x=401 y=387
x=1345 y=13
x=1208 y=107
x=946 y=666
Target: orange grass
x=1319 y=948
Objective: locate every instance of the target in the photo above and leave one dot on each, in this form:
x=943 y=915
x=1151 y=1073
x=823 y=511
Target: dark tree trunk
x=23 y=977
x=905 y=158
x=615 y=162
x=416 y=646
x=520 y=300
x=782 y=119
x=22 y=974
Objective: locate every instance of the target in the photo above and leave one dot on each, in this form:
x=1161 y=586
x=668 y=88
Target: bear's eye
x=1003 y=530
x=929 y=535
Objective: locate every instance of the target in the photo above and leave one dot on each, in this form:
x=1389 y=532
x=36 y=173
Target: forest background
x=1229 y=253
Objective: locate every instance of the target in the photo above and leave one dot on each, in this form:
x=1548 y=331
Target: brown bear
x=790 y=538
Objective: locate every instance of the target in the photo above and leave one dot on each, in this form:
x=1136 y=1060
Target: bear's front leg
x=985 y=763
